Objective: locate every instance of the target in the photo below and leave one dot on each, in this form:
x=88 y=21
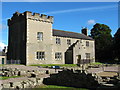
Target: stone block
x=7 y=85
x=40 y=81
x=27 y=84
x=22 y=73
x=33 y=81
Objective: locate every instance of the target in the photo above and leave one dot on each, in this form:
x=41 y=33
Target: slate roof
x=68 y=34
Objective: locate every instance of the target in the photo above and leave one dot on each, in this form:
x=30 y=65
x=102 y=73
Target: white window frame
x=58 y=56
x=68 y=41
x=58 y=41
x=40 y=55
x=87 y=43
x=40 y=36
x=87 y=55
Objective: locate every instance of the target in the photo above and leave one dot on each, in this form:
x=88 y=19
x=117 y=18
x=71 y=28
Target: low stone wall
x=18 y=72
x=33 y=78
x=29 y=83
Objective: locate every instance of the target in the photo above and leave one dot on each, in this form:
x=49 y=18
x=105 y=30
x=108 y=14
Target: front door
x=2 y=60
x=78 y=59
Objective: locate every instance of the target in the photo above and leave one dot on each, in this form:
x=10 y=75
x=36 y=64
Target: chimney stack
x=85 y=31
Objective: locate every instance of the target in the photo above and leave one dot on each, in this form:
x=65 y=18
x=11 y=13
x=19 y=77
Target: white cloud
x=89 y=22
x=82 y=9
x=2 y=45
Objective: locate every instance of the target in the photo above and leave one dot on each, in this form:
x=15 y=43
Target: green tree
x=116 y=44
x=103 y=41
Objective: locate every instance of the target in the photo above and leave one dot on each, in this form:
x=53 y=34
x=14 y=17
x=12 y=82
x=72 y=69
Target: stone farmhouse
x=32 y=40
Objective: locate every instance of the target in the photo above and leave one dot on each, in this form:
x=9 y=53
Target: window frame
x=87 y=55
x=40 y=36
x=68 y=42
x=40 y=55
x=58 y=41
x=58 y=56
x=87 y=43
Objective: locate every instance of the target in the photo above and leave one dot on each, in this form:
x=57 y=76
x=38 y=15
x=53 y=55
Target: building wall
x=62 y=47
x=80 y=48
x=34 y=45
x=23 y=44
x=17 y=38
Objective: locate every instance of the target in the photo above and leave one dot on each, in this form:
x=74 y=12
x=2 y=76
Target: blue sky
x=68 y=16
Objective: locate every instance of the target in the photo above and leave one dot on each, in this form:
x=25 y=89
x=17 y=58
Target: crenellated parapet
x=38 y=17
x=18 y=17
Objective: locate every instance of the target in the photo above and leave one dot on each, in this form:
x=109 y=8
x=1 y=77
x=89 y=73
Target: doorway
x=2 y=60
x=69 y=57
x=78 y=59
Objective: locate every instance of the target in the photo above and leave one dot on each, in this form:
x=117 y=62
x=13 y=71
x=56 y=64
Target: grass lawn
x=96 y=63
x=58 y=87
x=1 y=64
x=62 y=65
x=3 y=78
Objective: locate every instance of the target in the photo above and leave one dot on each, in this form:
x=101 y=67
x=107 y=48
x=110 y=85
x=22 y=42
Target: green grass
x=96 y=63
x=59 y=87
x=1 y=64
x=62 y=65
x=14 y=64
x=3 y=78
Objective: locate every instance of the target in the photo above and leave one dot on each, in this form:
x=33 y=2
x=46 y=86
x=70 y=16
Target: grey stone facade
x=33 y=41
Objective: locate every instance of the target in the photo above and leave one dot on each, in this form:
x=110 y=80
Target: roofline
x=67 y=31
x=73 y=32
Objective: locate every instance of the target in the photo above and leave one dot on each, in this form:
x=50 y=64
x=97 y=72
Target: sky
x=68 y=16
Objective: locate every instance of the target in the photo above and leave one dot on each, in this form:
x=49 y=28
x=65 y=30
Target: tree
x=103 y=41
x=116 y=44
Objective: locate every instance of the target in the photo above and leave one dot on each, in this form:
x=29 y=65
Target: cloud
x=82 y=9
x=2 y=45
x=89 y=22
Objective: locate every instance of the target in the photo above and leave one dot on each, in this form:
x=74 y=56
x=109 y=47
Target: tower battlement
x=38 y=17
x=29 y=15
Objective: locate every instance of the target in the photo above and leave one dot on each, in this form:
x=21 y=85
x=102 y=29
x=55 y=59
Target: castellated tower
x=30 y=34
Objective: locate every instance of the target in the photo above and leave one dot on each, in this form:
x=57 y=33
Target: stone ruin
x=67 y=77
x=79 y=79
x=32 y=80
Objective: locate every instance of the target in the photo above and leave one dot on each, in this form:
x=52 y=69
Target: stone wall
x=31 y=78
x=20 y=72
x=72 y=77
x=29 y=83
